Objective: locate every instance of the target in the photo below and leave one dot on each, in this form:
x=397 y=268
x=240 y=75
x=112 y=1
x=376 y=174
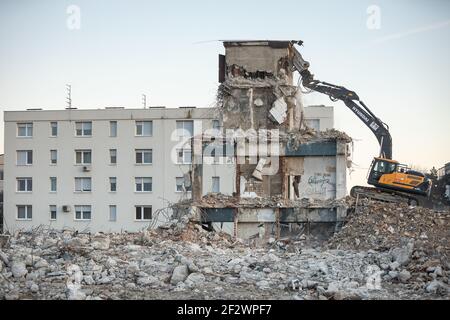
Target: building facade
x=107 y=170
x=96 y=170
x=286 y=175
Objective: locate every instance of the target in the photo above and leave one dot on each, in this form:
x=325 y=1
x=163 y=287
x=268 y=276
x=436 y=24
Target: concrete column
x=341 y=169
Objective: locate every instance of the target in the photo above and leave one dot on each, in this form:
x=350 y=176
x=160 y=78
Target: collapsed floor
x=384 y=252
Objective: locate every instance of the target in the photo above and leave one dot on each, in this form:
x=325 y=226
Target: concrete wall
x=258 y=56
x=319 y=178
x=226 y=172
x=322 y=113
x=263 y=223
x=163 y=171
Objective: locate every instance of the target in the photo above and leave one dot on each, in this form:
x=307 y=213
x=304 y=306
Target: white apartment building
x=107 y=170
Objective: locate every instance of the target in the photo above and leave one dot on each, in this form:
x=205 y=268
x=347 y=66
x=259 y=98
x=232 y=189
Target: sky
x=394 y=54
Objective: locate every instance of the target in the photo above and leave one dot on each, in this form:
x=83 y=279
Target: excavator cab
x=390 y=174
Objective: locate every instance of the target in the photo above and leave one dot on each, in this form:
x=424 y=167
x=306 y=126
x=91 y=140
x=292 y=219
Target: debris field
x=384 y=251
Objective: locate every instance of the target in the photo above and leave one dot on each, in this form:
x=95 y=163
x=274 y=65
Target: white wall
x=163 y=171
x=226 y=172
x=323 y=113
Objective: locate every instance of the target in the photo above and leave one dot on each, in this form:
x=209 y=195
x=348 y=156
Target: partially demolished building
x=257 y=164
x=286 y=175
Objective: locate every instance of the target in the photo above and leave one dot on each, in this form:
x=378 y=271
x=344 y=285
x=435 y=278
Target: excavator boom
x=350 y=99
x=385 y=174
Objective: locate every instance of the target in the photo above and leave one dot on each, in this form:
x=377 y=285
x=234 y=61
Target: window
x=313 y=123
x=143 y=184
x=53 y=129
x=185 y=128
x=53 y=156
x=180 y=185
x=144 y=128
x=144 y=156
x=24 y=184
x=83 y=129
x=179 y=181
x=216 y=184
x=52 y=184
x=24 y=212
x=83 y=184
x=184 y=156
x=143 y=213
x=25 y=129
x=112 y=156
x=113 y=128
x=216 y=124
x=52 y=212
x=1 y=174
x=113 y=184
x=82 y=212
x=83 y=156
x=112 y=213
x=24 y=157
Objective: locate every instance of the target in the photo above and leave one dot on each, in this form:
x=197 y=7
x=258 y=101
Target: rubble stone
x=190 y=262
x=180 y=273
x=403 y=276
x=18 y=269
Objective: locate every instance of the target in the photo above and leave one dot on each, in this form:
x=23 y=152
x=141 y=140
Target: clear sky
x=398 y=61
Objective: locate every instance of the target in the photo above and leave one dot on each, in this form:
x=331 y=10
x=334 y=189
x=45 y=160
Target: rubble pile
x=186 y=262
x=380 y=226
x=296 y=138
x=416 y=238
x=220 y=200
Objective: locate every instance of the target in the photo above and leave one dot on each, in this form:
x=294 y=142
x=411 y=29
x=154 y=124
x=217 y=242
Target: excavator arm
x=350 y=99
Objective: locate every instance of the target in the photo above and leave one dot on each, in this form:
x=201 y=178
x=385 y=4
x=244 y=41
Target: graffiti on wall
x=320 y=184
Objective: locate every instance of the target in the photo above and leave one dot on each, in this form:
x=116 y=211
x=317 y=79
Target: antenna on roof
x=69 y=96
x=144 y=101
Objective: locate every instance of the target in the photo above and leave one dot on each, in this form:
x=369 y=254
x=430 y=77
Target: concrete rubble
x=366 y=260
x=218 y=200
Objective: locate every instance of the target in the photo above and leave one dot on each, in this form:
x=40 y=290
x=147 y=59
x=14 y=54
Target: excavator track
x=383 y=195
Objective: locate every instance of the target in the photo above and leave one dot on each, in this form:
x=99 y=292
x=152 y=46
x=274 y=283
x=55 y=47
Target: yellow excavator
x=393 y=181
